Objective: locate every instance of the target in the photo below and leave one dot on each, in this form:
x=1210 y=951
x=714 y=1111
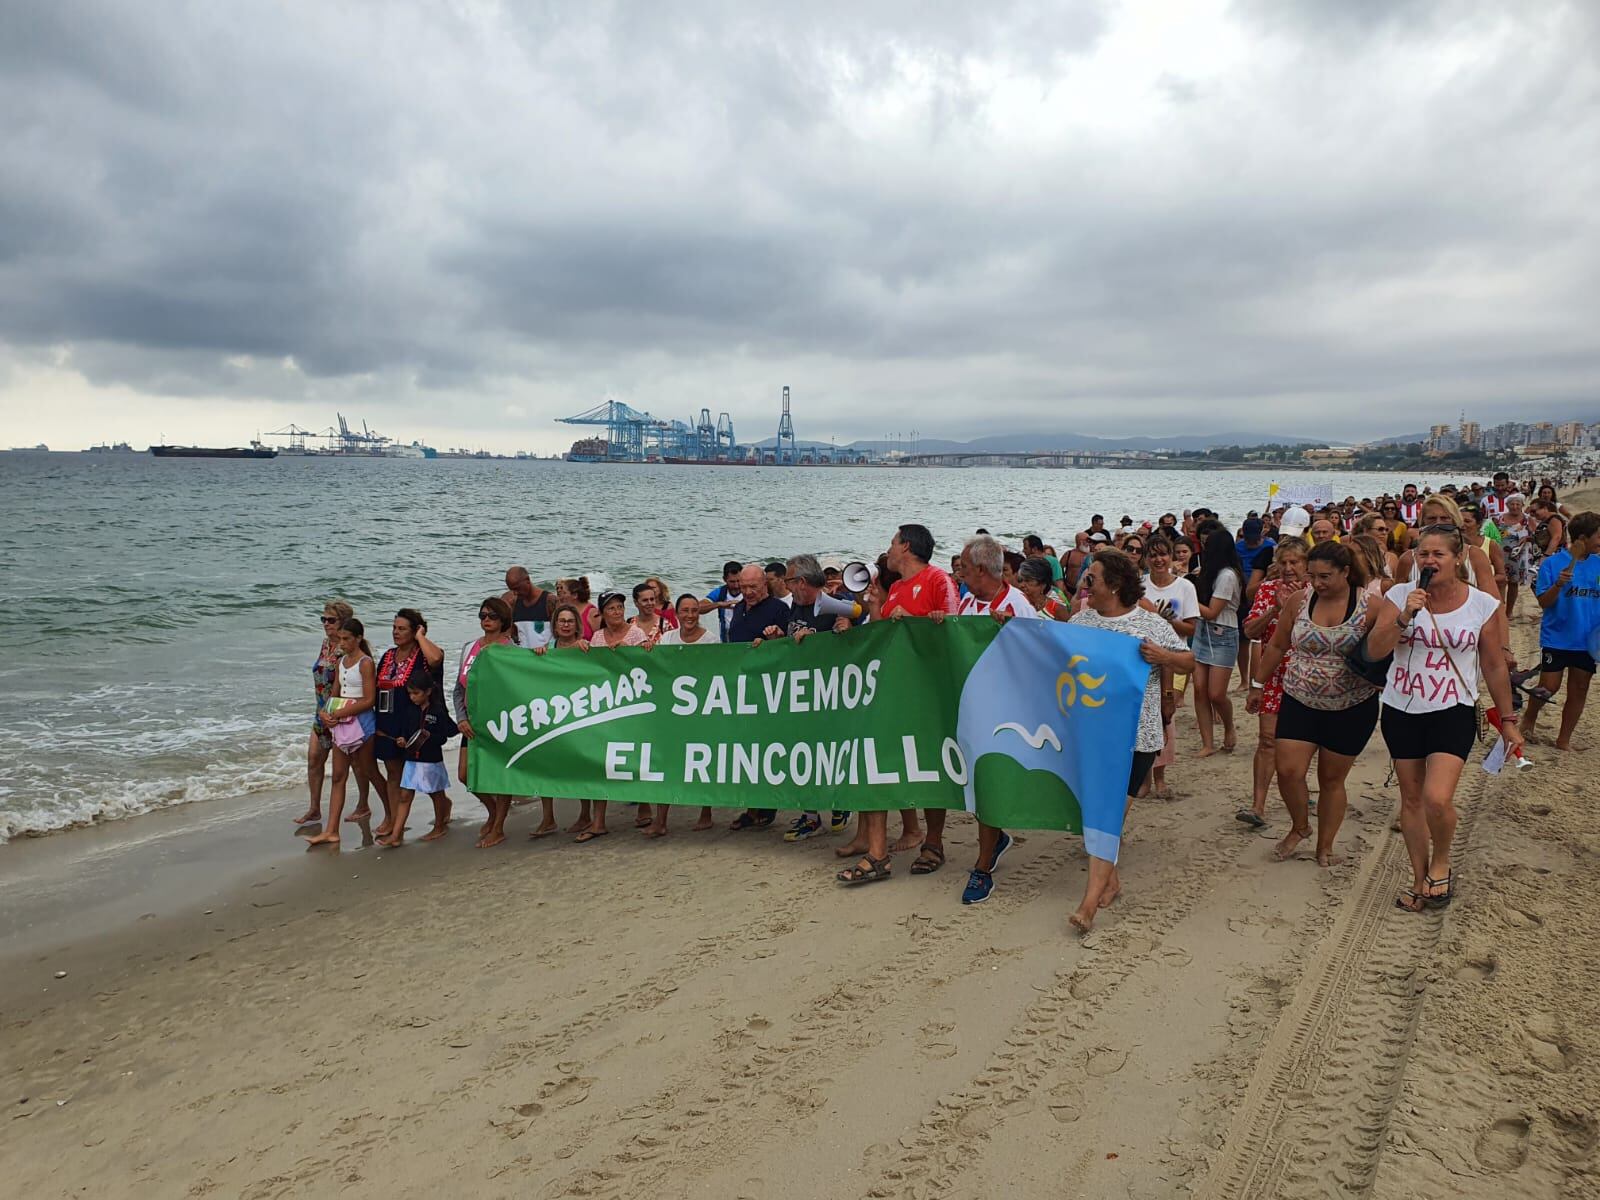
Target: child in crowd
x=1568 y=590
x=424 y=769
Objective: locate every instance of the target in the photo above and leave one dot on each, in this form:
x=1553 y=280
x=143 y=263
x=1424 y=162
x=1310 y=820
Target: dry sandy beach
x=712 y=1017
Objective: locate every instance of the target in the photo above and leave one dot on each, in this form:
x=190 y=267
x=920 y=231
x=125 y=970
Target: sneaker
x=979 y=885
x=839 y=823
x=804 y=826
x=1001 y=848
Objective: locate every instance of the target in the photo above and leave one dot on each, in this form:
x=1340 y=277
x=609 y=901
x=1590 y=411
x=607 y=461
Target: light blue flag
x=1047 y=722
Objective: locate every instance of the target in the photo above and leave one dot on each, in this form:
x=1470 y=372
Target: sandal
x=1411 y=902
x=1250 y=817
x=589 y=835
x=926 y=865
x=876 y=869
x=1442 y=900
x=748 y=820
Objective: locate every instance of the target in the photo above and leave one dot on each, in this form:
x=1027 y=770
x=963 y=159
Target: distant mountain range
x=1002 y=443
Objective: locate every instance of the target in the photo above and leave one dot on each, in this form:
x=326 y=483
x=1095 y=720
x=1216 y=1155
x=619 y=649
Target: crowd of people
x=1387 y=613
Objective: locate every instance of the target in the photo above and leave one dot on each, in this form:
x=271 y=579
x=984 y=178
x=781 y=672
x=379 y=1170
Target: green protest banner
x=1029 y=724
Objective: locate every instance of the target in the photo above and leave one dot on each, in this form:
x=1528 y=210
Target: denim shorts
x=1216 y=645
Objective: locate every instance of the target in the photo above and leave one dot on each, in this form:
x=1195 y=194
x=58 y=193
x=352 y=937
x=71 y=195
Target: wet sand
x=710 y=1016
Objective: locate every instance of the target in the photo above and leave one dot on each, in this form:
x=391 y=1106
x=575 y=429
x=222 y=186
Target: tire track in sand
x=717 y=1105
x=1051 y=1046
x=1314 y=1118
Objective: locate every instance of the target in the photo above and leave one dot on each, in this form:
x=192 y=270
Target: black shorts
x=1143 y=760
x=1561 y=660
x=1450 y=730
x=1339 y=730
x=388 y=750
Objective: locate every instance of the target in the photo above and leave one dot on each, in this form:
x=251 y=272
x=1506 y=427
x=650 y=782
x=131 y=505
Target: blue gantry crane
x=634 y=436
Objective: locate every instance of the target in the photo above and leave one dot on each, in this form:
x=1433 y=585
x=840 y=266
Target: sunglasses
x=486 y=615
x=330 y=620
x=1441 y=527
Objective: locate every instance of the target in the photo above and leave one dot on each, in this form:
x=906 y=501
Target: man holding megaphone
x=922 y=590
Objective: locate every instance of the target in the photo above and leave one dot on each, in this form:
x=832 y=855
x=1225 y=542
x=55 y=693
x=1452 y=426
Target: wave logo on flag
x=1047 y=721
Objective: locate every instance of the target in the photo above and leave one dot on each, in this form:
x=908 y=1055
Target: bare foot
x=1532 y=736
x=382 y=831
x=391 y=842
x=909 y=840
x=655 y=831
x=701 y=825
x=1109 y=896
x=1569 y=748
x=329 y=838
x=313 y=817
x=543 y=831
x=854 y=850
x=360 y=814
x=579 y=826
x=491 y=839
x=1081 y=922
x=1285 y=850
x=1229 y=747
x=1327 y=858
x=1206 y=752
x=437 y=832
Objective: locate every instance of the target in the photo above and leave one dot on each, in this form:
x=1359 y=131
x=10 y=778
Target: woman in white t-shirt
x=1114 y=594
x=1220 y=587
x=1447 y=636
x=690 y=632
x=1172 y=598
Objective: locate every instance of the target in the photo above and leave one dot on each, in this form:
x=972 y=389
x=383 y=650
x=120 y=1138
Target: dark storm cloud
x=1354 y=203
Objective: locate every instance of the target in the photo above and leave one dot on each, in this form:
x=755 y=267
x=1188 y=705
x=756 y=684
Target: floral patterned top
x=323 y=672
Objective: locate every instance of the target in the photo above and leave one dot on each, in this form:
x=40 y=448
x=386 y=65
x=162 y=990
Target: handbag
x=1374 y=671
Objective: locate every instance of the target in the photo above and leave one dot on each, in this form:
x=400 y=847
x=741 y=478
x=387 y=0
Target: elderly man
x=806 y=582
x=990 y=595
x=748 y=621
x=921 y=591
x=530 y=608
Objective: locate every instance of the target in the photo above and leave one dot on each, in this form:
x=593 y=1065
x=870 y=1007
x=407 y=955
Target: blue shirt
x=1568 y=623
x=719 y=594
x=1249 y=554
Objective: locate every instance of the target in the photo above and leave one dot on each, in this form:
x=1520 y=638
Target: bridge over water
x=1033 y=458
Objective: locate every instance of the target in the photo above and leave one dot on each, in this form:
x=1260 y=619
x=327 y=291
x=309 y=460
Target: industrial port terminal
x=632 y=436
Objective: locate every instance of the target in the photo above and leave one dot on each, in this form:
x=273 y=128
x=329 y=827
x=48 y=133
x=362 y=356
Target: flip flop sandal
x=877 y=868
x=1411 y=902
x=1250 y=817
x=1442 y=900
x=928 y=865
x=589 y=835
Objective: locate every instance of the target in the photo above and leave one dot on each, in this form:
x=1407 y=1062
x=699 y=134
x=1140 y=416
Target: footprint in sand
x=568 y=1090
x=1520 y=918
x=1547 y=1047
x=1504 y=1145
x=1065 y=1102
x=1477 y=970
x=1540 y=810
x=933 y=1039
x=1090 y=984
x=1578 y=1133
x=1103 y=1060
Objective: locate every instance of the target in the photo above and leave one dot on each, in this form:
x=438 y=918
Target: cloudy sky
x=462 y=221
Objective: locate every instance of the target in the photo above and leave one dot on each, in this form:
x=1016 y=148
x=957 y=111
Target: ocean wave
x=49 y=810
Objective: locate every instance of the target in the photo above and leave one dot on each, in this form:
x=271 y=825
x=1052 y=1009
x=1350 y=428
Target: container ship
x=253 y=450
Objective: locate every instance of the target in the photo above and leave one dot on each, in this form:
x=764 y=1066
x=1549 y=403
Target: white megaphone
x=833 y=606
x=858 y=576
